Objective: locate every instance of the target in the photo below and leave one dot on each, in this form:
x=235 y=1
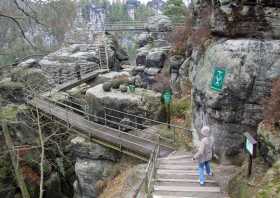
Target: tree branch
x=27 y=14
x=20 y=28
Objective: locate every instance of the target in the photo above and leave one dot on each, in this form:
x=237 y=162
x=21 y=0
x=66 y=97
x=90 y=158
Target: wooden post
x=250 y=162
x=18 y=173
x=169 y=115
x=174 y=134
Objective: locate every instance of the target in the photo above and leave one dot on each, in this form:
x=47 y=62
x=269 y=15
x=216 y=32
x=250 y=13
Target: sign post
x=218 y=78
x=167 y=98
x=251 y=149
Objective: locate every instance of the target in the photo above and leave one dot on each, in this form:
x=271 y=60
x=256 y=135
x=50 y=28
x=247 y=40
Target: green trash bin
x=131 y=88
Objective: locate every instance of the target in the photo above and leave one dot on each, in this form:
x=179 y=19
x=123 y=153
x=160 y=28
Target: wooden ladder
x=102 y=50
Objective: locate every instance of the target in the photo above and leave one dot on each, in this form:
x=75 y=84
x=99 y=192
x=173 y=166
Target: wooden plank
x=163 y=196
x=188 y=156
x=184 y=180
x=177 y=167
x=188 y=189
x=168 y=171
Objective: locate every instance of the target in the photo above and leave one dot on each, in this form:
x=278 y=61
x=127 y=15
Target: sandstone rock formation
x=250 y=65
x=61 y=65
x=141 y=103
x=93 y=163
x=159 y=23
x=154 y=48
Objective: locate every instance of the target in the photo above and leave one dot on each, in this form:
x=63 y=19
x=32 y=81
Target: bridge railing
x=94 y=131
x=127 y=121
x=90 y=117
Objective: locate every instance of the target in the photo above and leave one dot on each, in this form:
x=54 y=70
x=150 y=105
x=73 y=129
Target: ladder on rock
x=177 y=177
x=103 y=57
x=102 y=50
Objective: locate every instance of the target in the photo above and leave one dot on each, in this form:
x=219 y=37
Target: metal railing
x=112 y=117
x=150 y=173
x=52 y=103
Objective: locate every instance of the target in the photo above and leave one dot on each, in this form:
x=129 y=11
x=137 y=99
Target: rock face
x=250 y=65
x=33 y=79
x=232 y=19
x=154 y=48
x=62 y=65
x=245 y=45
x=93 y=164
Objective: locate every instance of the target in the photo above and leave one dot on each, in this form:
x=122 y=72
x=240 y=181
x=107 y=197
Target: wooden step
x=184 y=180
x=178 y=167
x=169 y=171
x=181 y=162
x=188 y=194
x=163 y=196
x=176 y=157
x=176 y=176
x=188 y=189
x=184 y=184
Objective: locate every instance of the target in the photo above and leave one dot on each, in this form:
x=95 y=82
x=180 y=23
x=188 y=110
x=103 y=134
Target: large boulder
x=250 y=66
x=156 y=58
x=143 y=39
x=140 y=103
x=11 y=92
x=29 y=63
x=33 y=79
x=92 y=164
x=141 y=56
x=159 y=23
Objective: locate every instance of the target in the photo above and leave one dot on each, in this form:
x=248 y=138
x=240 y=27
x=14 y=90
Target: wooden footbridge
x=80 y=122
x=135 y=26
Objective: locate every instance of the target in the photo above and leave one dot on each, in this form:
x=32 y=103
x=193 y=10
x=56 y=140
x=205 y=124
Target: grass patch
x=8 y=112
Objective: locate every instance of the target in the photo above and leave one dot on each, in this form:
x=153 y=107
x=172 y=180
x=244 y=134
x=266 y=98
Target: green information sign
x=218 y=79
x=131 y=88
x=167 y=96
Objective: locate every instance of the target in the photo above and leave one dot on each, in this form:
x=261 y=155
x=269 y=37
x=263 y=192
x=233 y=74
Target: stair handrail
x=150 y=172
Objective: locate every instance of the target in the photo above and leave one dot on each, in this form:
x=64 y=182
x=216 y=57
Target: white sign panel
x=249 y=146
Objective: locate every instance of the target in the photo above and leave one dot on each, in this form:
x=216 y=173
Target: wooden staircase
x=177 y=177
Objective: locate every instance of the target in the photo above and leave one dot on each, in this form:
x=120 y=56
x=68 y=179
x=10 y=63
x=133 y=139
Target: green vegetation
x=179 y=107
x=175 y=9
x=8 y=113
